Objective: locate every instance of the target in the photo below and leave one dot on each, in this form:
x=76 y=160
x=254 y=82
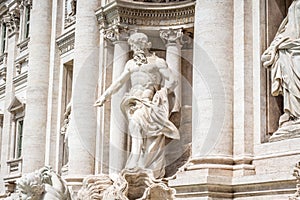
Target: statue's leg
x=136 y=144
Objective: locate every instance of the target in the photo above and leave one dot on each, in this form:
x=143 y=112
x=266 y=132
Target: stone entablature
x=66 y=42
x=150 y=16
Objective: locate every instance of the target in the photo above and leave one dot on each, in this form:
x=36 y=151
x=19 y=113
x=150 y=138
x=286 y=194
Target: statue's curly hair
x=31 y=184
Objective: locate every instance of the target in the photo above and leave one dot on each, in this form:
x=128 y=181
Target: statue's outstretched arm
x=114 y=87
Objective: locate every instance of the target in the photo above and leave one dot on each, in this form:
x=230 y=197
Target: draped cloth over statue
x=283 y=58
x=149 y=123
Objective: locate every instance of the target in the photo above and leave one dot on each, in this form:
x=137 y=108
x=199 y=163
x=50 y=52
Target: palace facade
x=58 y=56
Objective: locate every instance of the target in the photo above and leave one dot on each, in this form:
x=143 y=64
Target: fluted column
x=83 y=123
x=172 y=38
x=118 y=123
x=37 y=89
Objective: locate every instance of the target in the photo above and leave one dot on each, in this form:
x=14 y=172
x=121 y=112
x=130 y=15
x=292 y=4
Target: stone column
x=212 y=123
x=118 y=123
x=213 y=81
x=83 y=123
x=172 y=38
x=37 y=89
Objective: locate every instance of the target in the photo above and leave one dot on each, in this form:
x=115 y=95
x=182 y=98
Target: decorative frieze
x=151 y=15
x=66 y=42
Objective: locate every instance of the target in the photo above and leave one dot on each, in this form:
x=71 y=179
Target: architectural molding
x=66 y=42
x=20 y=79
x=146 y=15
x=23 y=45
x=14 y=170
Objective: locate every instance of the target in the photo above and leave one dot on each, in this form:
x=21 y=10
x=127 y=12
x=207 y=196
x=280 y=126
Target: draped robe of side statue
x=283 y=58
x=149 y=123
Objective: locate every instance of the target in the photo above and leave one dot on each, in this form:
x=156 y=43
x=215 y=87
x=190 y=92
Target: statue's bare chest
x=145 y=73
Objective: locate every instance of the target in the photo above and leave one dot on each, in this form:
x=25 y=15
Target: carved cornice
x=66 y=42
x=146 y=15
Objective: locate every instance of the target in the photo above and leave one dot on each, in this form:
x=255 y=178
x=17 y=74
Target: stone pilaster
x=212 y=123
x=118 y=123
x=37 y=90
x=172 y=39
x=83 y=123
x=243 y=89
x=7 y=147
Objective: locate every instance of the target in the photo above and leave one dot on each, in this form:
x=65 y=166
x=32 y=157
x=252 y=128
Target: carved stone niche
x=146 y=15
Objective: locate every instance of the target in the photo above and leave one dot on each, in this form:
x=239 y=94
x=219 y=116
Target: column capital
x=172 y=36
x=12 y=21
x=116 y=33
x=25 y=3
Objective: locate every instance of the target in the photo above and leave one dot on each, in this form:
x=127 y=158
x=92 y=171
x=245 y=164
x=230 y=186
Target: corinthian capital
x=12 y=21
x=171 y=36
x=116 y=33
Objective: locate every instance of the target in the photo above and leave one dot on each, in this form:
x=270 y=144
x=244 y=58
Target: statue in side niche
x=146 y=106
x=283 y=59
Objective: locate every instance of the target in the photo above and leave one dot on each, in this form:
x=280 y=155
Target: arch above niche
x=147 y=16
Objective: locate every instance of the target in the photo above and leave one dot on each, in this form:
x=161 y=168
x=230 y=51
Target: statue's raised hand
x=100 y=101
